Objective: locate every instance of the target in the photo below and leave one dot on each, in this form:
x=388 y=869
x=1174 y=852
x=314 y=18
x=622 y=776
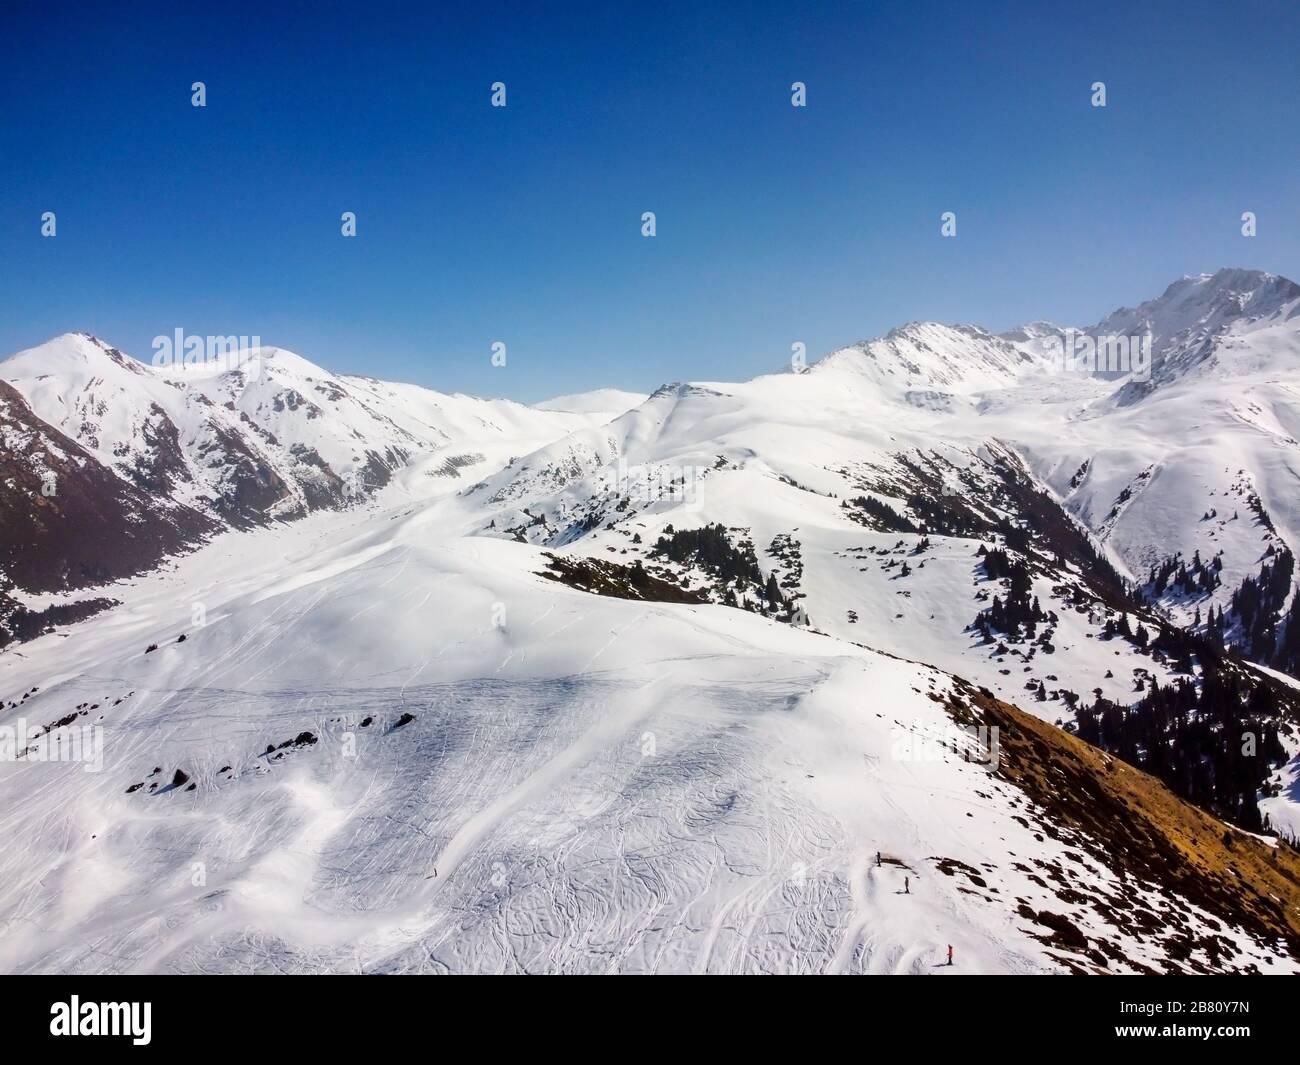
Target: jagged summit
x=929 y=361
x=1031 y=331
x=1194 y=321
x=1205 y=303
x=1234 y=321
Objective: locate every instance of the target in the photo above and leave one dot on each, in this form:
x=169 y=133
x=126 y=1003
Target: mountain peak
x=1204 y=301
x=73 y=353
x=1032 y=331
x=596 y=401
x=1187 y=323
x=930 y=357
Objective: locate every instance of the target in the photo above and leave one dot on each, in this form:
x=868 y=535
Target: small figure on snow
x=949 y=953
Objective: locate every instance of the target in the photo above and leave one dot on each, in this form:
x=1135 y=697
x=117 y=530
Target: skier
x=949 y=953
x=877 y=859
x=907 y=885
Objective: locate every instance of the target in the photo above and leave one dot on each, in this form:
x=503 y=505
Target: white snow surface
x=608 y=402
x=605 y=785
x=601 y=785
x=263 y=405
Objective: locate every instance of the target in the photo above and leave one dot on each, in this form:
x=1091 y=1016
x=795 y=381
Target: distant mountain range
x=645 y=677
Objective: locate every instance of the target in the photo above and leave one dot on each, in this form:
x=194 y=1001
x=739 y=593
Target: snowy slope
x=606 y=402
x=1217 y=424
x=264 y=434
x=931 y=365
x=620 y=757
x=1198 y=318
x=1204 y=467
x=777 y=457
x=602 y=785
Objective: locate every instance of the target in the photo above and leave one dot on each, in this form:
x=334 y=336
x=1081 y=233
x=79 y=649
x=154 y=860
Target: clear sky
x=522 y=224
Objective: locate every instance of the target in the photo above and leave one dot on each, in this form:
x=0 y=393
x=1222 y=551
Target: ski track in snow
x=603 y=785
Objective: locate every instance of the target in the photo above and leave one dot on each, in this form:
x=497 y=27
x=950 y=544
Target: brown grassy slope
x=1135 y=825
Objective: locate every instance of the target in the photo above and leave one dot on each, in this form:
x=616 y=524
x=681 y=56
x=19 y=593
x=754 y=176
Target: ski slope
x=388 y=743
x=601 y=785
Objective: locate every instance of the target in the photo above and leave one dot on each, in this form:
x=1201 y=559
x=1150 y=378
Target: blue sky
x=775 y=224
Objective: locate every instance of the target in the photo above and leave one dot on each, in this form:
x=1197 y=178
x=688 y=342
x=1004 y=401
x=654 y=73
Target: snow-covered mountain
x=1230 y=322
x=59 y=507
x=928 y=364
x=180 y=451
x=263 y=435
x=608 y=402
x=647 y=687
